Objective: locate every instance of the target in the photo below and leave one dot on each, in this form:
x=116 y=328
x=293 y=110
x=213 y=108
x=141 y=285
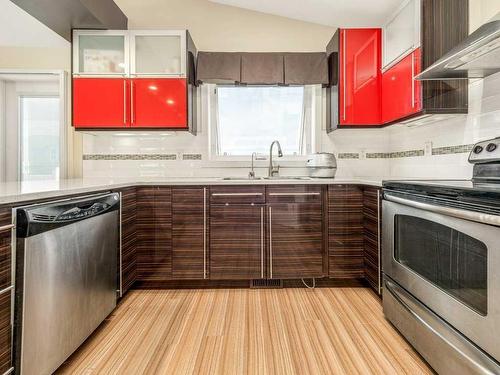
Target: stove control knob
x=491 y=147
x=478 y=149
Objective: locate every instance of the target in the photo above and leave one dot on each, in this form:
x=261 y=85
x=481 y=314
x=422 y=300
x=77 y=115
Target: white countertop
x=13 y=192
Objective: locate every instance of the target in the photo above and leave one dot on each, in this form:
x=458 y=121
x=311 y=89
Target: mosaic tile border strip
x=130 y=157
x=448 y=150
x=348 y=155
x=191 y=156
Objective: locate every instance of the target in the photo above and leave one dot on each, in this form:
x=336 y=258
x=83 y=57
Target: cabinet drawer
x=5 y=248
x=294 y=193
x=5 y=332
x=237 y=194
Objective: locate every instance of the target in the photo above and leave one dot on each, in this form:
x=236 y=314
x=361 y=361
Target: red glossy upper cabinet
x=401 y=93
x=100 y=103
x=158 y=103
x=360 y=77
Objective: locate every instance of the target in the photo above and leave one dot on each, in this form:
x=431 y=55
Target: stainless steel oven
x=442 y=256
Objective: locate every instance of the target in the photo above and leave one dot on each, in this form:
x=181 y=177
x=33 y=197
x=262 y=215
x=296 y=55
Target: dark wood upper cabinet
x=189 y=233
x=295 y=231
x=237 y=247
x=154 y=233
x=444 y=24
x=345 y=231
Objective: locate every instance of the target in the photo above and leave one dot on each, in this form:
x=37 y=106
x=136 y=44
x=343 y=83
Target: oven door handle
x=447 y=211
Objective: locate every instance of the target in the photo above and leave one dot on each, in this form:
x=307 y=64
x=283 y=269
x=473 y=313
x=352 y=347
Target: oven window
x=451 y=260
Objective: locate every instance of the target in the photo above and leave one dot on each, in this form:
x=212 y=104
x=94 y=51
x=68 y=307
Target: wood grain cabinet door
x=237 y=247
x=371 y=220
x=345 y=231
x=154 y=233
x=295 y=233
x=128 y=259
x=5 y=332
x=189 y=231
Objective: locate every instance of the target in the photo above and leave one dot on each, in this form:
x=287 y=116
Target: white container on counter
x=322 y=165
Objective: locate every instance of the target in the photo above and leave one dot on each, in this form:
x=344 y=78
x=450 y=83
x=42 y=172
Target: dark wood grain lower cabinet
x=346 y=231
x=295 y=233
x=5 y=248
x=237 y=247
x=5 y=331
x=189 y=231
x=154 y=233
x=128 y=257
x=371 y=222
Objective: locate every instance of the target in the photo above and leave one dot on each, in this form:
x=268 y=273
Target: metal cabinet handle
x=205 y=233
x=447 y=211
x=7 y=227
x=8 y=289
x=344 y=70
x=413 y=80
x=132 y=112
x=262 y=242
x=271 y=242
x=379 y=245
x=293 y=194
x=235 y=194
x=124 y=102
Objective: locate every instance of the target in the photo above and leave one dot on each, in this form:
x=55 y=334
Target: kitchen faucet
x=274 y=171
x=251 y=174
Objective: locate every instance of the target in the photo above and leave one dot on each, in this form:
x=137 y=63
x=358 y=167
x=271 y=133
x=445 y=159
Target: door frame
x=63 y=119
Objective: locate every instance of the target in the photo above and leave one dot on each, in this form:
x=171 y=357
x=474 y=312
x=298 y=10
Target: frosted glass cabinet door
x=100 y=53
x=159 y=54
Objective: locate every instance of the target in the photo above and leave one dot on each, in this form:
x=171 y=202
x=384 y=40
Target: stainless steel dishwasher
x=66 y=277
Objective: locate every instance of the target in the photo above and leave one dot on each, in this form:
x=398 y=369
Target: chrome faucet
x=251 y=174
x=274 y=171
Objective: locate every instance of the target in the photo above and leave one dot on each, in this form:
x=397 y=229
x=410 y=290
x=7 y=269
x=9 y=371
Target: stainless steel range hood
x=478 y=56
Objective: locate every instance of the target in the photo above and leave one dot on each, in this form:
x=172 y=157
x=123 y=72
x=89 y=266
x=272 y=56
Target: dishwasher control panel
x=46 y=216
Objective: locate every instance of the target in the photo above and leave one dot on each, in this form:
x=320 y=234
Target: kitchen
x=232 y=186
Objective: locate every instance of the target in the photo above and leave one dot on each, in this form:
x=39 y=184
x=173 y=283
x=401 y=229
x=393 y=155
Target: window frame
x=312 y=119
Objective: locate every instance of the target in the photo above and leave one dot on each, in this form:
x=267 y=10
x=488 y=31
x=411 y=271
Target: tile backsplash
x=435 y=150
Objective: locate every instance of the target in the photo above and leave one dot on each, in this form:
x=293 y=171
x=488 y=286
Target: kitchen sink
x=266 y=178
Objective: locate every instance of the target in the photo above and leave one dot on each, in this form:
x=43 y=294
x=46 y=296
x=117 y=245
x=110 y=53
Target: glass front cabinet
x=136 y=79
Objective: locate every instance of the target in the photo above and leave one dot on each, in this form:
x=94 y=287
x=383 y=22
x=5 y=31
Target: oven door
x=449 y=259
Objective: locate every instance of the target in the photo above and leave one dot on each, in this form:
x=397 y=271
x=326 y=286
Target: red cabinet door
x=401 y=93
x=360 y=77
x=158 y=103
x=100 y=102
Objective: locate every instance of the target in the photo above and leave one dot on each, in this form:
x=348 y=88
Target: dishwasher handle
x=36 y=219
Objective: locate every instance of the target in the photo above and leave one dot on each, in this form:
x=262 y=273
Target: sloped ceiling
x=337 y=13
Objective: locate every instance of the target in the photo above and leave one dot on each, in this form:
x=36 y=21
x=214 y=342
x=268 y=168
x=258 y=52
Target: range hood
x=478 y=56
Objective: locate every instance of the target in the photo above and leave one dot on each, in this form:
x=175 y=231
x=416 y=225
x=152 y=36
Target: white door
x=32 y=134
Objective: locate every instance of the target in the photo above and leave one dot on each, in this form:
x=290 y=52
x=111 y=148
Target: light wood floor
x=247 y=331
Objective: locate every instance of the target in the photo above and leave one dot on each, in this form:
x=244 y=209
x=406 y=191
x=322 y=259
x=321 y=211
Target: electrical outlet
x=428 y=148
x=362 y=154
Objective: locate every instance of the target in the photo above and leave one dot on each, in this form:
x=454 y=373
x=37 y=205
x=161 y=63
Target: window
x=248 y=119
x=39 y=138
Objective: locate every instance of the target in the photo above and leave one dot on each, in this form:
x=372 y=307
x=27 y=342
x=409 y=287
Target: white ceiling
x=20 y=29
x=337 y=13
